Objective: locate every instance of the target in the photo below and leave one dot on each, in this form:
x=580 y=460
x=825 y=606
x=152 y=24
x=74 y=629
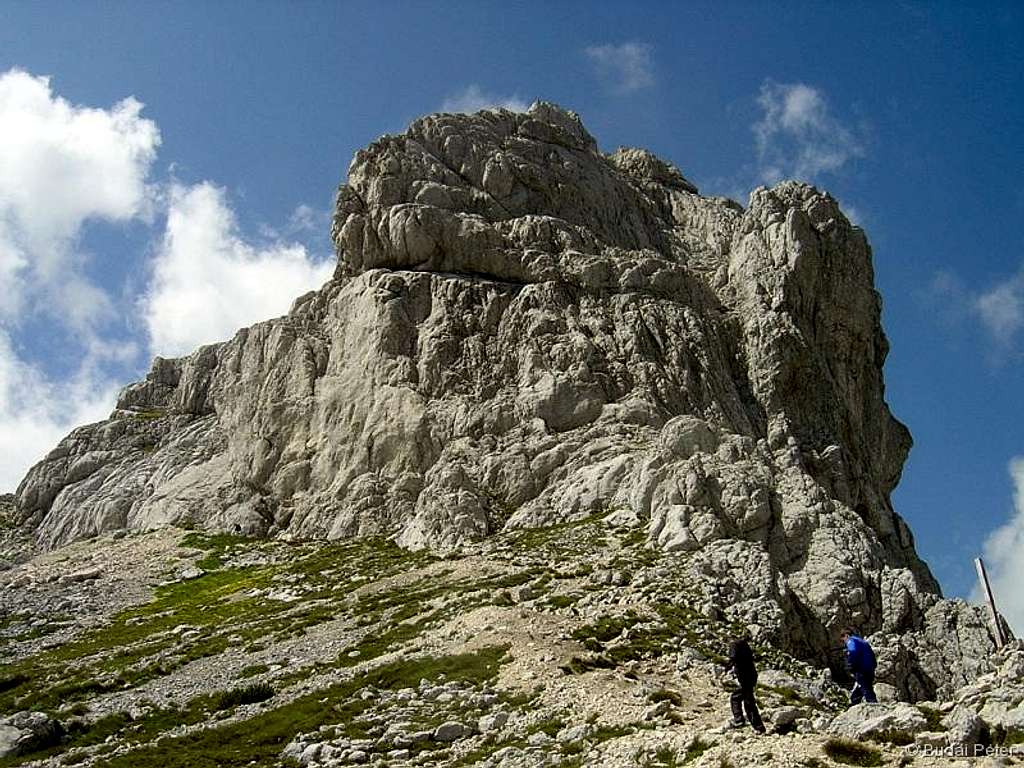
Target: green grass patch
x=532 y=539
x=149 y=415
x=899 y=738
x=252 y=670
x=606 y=628
x=250 y=694
x=260 y=739
x=142 y=643
x=849 y=752
x=13 y=681
x=609 y=732
x=933 y=716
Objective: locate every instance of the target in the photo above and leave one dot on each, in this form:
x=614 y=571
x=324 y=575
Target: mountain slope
x=523 y=331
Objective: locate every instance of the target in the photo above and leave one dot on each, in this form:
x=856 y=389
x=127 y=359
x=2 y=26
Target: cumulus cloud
x=36 y=412
x=61 y=165
x=1001 y=309
x=208 y=281
x=305 y=218
x=474 y=98
x=798 y=136
x=1003 y=555
x=627 y=67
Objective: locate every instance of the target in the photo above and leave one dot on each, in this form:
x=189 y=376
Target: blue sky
x=219 y=172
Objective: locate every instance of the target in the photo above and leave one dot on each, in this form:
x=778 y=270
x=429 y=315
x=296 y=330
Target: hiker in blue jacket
x=860 y=660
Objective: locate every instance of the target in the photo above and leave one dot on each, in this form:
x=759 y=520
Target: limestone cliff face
x=522 y=330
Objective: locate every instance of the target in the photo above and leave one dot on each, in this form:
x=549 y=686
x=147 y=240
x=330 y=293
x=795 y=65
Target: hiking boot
x=759 y=729
x=736 y=723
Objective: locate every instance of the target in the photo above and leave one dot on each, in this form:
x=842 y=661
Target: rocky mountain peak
x=523 y=331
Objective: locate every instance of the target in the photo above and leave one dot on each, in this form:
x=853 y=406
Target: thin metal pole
x=996 y=625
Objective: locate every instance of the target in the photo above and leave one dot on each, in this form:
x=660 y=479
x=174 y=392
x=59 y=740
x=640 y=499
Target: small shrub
x=552 y=727
x=562 y=601
x=11 y=682
x=250 y=694
x=851 y=752
x=579 y=665
x=666 y=756
x=663 y=694
x=695 y=749
x=899 y=738
x=933 y=716
x=252 y=670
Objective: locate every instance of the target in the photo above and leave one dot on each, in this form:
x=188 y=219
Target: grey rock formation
x=16 y=543
x=26 y=732
x=897 y=722
x=522 y=330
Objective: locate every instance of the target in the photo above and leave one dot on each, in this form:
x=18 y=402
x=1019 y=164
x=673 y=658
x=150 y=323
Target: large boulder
x=26 y=732
x=896 y=722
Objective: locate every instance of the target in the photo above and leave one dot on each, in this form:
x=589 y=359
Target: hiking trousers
x=743 y=699
x=864 y=688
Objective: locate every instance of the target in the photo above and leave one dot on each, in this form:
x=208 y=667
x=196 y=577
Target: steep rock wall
x=522 y=330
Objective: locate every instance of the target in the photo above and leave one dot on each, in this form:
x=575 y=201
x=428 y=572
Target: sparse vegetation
x=663 y=694
x=253 y=596
x=850 y=752
x=933 y=716
x=262 y=737
x=149 y=414
x=252 y=670
x=695 y=749
x=250 y=694
x=899 y=738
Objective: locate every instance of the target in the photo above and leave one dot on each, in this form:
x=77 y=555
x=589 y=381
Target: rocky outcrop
x=521 y=331
x=27 y=732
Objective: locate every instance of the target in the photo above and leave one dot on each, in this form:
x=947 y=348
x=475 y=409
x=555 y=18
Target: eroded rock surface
x=521 y=331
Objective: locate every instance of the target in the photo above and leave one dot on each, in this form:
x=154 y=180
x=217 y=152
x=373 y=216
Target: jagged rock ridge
x=522 y=330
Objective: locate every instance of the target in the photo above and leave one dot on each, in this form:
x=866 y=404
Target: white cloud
x=1004 y=555
x=60 y=166
x=35 y=412
x=626 y=67
x=473 y=99
x=305 y=218
x=208 y=282
x=797 y=135
x=1002 y=309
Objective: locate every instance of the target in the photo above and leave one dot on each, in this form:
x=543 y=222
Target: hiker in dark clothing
x=741 y=662
x=860 y=660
